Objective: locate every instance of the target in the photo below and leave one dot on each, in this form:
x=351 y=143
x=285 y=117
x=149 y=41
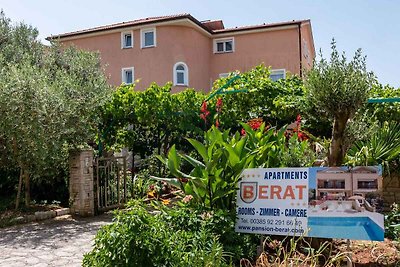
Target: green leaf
x=200 y=148
x=173 y=160
x=233 y=157
x=172 y=181
x=192 y=161
x=162 y=159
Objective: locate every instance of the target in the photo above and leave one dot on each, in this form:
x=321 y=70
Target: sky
x=371 y=25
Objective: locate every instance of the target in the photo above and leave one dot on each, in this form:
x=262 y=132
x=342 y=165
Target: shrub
x=213 y=178
x=382 y=147
x=392 y=223
x=176 y=236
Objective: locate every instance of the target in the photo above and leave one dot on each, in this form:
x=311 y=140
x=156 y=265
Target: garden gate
x=109 y=183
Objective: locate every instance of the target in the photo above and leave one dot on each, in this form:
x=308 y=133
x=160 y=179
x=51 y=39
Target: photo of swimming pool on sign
x=327 y=202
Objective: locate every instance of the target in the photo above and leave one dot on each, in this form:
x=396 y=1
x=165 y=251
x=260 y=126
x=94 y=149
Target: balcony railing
x=331 y=187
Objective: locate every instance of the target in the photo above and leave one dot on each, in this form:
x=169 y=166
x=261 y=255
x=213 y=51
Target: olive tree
x=48 y=99
x=337 y=89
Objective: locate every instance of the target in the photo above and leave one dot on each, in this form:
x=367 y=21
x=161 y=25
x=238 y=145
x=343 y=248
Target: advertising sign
x=335 y=202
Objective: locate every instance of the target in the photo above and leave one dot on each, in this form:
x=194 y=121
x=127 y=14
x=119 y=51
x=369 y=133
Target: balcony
x=367 y=185
x=338 y=184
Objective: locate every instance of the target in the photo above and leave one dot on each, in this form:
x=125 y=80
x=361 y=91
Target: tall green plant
x=212 y=181
x=381 y=148
x=222 y=158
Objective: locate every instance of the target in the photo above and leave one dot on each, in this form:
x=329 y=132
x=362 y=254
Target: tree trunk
x=21 y=174
x=27 y=189
x=159 y=151
x=336 y=152
x=133 y=170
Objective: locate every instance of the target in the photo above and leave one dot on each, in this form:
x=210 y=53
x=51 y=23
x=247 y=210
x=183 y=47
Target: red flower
x=203 y=108
x=204 y=113
x=217 y=123
x=255 y=124
x=243 y=132
x=219 y=104
x=298 y=121
x=302 y=136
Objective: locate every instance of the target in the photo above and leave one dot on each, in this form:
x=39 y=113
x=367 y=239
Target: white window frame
x=123 y=76
x=123 y=34
x=224 y=75
x=224 y=40
x=142 y=39
x=279 y=71
x=185 y=74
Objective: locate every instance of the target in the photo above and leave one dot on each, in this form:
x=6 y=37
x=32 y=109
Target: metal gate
x=110 y=183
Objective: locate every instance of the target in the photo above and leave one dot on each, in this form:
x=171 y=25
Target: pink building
x=192 y=53
x=335 y=181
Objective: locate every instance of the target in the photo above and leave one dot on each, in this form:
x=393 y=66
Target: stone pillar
x=81 y=192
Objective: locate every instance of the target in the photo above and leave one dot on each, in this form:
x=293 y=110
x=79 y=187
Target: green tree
x=149 y=120
x=388 y=111
x=277 y=103
x=337 y=89
x=48 y=99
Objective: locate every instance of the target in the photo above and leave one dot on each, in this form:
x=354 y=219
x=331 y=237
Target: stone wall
x=391 y=190
x=81 y=183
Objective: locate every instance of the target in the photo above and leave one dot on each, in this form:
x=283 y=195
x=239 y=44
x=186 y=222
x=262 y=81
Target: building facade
x=192 y=53
x=336 y=182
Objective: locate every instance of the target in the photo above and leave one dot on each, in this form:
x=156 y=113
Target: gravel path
x=57 y=242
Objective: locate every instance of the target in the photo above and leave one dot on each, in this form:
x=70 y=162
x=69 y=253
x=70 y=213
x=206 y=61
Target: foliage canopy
x=48 y=99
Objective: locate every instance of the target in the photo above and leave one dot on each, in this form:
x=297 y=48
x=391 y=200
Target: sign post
x=326 y=202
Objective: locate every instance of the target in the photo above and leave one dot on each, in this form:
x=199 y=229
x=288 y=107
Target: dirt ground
x=372 y=253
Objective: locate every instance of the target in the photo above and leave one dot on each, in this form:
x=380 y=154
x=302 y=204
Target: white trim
x=123 y=39
x=279 y=71
x=223 y=75
x=224 y=40
x=142 y=39
x=185 y=74
x=123 y=77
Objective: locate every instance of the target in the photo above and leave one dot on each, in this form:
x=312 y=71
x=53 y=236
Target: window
x=277 y=74
x=127 y=75
x=225 y=45
x=148 y=38
x=338 y=184
x=367 y=184
x=224 y=75
x=181 y=74
x=126 y=40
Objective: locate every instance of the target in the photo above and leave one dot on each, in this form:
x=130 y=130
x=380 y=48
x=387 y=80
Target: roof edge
x=128 y=24
x=152 y=20
x=262 y=26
